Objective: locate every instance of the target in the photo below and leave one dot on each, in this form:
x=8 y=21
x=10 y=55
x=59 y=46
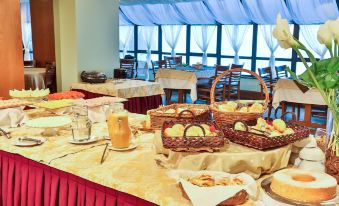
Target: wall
x=86 y=38
x=98 y=35
x=42 y=31
x=65 y=43
x=11 y=58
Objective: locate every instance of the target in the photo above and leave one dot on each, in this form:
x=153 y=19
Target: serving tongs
x=252 y=130
x=28 y=139
x=4 y=133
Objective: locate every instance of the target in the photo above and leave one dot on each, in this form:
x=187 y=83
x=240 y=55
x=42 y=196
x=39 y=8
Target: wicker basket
x=193 y=144
x=263 y=142
x=228 y=118
x=194 y=112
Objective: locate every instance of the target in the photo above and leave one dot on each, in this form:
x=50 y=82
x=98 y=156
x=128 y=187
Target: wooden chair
x=50 y=77
x=204 y=85
x=234 y=82
x=130 y=66
x=266 y=75
x=30 y=63
x=281 y=72
x=158 y=65
x=173 y=61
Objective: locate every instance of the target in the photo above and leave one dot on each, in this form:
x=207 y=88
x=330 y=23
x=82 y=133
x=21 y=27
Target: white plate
x=131 y=147
x=21 y=143
x=91 y=140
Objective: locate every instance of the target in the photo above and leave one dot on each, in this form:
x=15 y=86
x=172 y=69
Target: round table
x=35 y=78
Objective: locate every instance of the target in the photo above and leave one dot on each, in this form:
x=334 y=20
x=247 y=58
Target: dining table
x=34 y=78
x=141 y=95
x=287 y=91
x=183 y=79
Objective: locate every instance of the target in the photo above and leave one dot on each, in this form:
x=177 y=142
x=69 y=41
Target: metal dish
x=266 y=186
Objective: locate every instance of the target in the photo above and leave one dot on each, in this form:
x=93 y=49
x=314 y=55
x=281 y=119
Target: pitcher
x=118 y=128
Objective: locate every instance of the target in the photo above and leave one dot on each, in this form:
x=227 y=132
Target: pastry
x=279 y=125
x=28 y=93
x=66 y=95
x=256 y=107
x=304 y=186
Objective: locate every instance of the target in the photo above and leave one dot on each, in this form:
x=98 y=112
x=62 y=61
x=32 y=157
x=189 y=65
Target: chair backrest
x=234 y=66
x=266 y=75
x=177 y=60
x=50 y=76
x=281 y=72
x=129 y=65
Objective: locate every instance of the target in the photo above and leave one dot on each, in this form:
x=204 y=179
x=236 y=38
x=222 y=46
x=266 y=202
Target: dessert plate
x=266 y=186
x=132 y=146
x=83 y=141
x=28 y=141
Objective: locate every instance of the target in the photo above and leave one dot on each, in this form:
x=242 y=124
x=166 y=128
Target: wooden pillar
x=11 y=57
x=42 y=20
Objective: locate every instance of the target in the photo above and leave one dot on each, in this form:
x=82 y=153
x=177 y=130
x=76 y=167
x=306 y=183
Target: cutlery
x=27 y=139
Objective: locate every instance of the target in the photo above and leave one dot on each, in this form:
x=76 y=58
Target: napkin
x=11 y=117
x=210 y=196
x=302 y=88
x=98 y=114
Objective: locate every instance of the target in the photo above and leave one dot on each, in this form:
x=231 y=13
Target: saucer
x=83 y=141
x=131 y=147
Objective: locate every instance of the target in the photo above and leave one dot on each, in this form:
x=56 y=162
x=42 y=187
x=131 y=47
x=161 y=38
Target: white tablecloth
x=176 y=83
x=287 y=90
x=35 y=78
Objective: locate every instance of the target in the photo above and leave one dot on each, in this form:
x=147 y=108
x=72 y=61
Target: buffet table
x=35 y=78
x=183 y=78
x=141 y=95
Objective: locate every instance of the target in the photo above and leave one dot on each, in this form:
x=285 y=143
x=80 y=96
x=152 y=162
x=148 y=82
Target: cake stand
x=49 y=124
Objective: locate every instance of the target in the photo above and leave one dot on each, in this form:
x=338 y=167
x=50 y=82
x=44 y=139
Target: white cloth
x=287 y=90
x=235 y=35
x=11 y=117
x=203 y=36
x=172 y=33
x=125 y=43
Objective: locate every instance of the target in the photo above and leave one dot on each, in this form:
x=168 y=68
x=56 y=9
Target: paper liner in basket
x=210 y=196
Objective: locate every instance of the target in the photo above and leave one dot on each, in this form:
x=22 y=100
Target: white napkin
x=210 y=196
x=11 y=117
x=98 y=114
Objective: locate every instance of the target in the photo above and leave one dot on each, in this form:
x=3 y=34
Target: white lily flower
x=282 y=33
x=324 y=35
x=334 y=28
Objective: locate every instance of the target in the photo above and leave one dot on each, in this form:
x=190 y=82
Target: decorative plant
x=320 y=74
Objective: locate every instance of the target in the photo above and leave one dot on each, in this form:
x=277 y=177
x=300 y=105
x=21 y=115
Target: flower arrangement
x=320 y=74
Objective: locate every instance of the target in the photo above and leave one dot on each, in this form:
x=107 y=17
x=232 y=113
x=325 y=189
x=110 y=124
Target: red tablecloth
x=136 y=104
x=26 y=182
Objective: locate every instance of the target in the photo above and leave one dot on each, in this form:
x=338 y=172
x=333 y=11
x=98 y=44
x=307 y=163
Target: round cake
x=304 y=186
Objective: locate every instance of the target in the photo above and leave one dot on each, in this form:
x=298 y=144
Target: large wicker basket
x=263 y=142
x=228 y=118
x=194 y=112
x=192 y=143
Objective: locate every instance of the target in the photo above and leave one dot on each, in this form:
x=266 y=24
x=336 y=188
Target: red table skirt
x=136 y=104
x=26 y=182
